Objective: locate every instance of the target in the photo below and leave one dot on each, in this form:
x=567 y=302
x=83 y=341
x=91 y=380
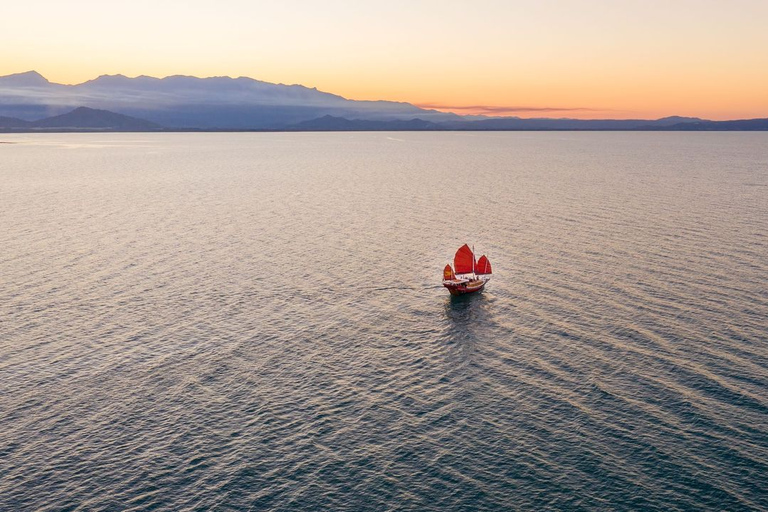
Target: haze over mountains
x=190 y=102
x=29 y=102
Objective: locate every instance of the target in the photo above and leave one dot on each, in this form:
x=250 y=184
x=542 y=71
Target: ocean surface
x=255 y=322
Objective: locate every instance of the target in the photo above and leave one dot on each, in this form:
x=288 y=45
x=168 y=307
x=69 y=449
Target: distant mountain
x=81 y=119
x=89 y=118
x=331 y=123
x=673 y=120
x=563 y=124
x=28 y=79
x=191 y=102
x=745 y=125
x=12 y=122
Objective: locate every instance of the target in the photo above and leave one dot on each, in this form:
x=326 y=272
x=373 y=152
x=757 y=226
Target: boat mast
x=473 y=261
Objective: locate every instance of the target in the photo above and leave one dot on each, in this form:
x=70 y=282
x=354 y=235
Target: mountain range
x=29 y=102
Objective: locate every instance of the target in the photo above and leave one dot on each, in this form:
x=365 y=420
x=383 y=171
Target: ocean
x=255 y=321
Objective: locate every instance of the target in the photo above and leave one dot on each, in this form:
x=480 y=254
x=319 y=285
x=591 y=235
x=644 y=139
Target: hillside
x=80 y=119
x=89 y=118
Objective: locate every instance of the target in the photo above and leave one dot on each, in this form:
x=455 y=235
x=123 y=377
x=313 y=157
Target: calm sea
x=256 y=322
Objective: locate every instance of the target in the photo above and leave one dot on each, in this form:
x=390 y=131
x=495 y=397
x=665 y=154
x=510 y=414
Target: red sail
x=463 y=260
x=483 y=266
x=448 y=273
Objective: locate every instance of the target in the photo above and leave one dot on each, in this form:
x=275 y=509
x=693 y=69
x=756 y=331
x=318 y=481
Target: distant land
x=81 y=119
x=30 y=103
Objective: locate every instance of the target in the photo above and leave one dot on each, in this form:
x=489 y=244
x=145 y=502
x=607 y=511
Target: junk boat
x=469 y=275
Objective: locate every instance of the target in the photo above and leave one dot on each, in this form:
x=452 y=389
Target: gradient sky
x=585 y=59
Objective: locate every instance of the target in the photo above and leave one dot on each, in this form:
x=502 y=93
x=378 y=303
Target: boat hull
x=464 y=288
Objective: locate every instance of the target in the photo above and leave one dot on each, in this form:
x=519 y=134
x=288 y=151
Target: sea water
x=255 y=322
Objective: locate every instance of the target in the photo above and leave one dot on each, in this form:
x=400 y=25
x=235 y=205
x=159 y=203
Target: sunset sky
x=584 y=59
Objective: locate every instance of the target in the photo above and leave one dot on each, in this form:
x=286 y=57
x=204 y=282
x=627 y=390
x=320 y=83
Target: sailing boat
x=469 y=275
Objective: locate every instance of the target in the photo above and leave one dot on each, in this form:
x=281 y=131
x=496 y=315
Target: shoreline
x=283 y=130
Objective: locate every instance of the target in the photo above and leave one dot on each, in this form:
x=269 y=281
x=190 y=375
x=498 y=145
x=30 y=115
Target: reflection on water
x=256 y=322
x=463 y=310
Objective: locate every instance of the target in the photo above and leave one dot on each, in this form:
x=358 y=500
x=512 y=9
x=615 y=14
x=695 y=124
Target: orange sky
x=546 y=58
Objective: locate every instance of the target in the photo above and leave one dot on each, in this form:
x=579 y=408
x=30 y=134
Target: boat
x=467 y=274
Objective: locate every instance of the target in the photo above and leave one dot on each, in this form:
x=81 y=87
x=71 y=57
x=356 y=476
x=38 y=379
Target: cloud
x=500 y=110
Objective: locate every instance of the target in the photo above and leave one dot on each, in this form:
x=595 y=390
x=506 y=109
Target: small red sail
x=463 y=260
x=448 y=273
x=483 y=266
